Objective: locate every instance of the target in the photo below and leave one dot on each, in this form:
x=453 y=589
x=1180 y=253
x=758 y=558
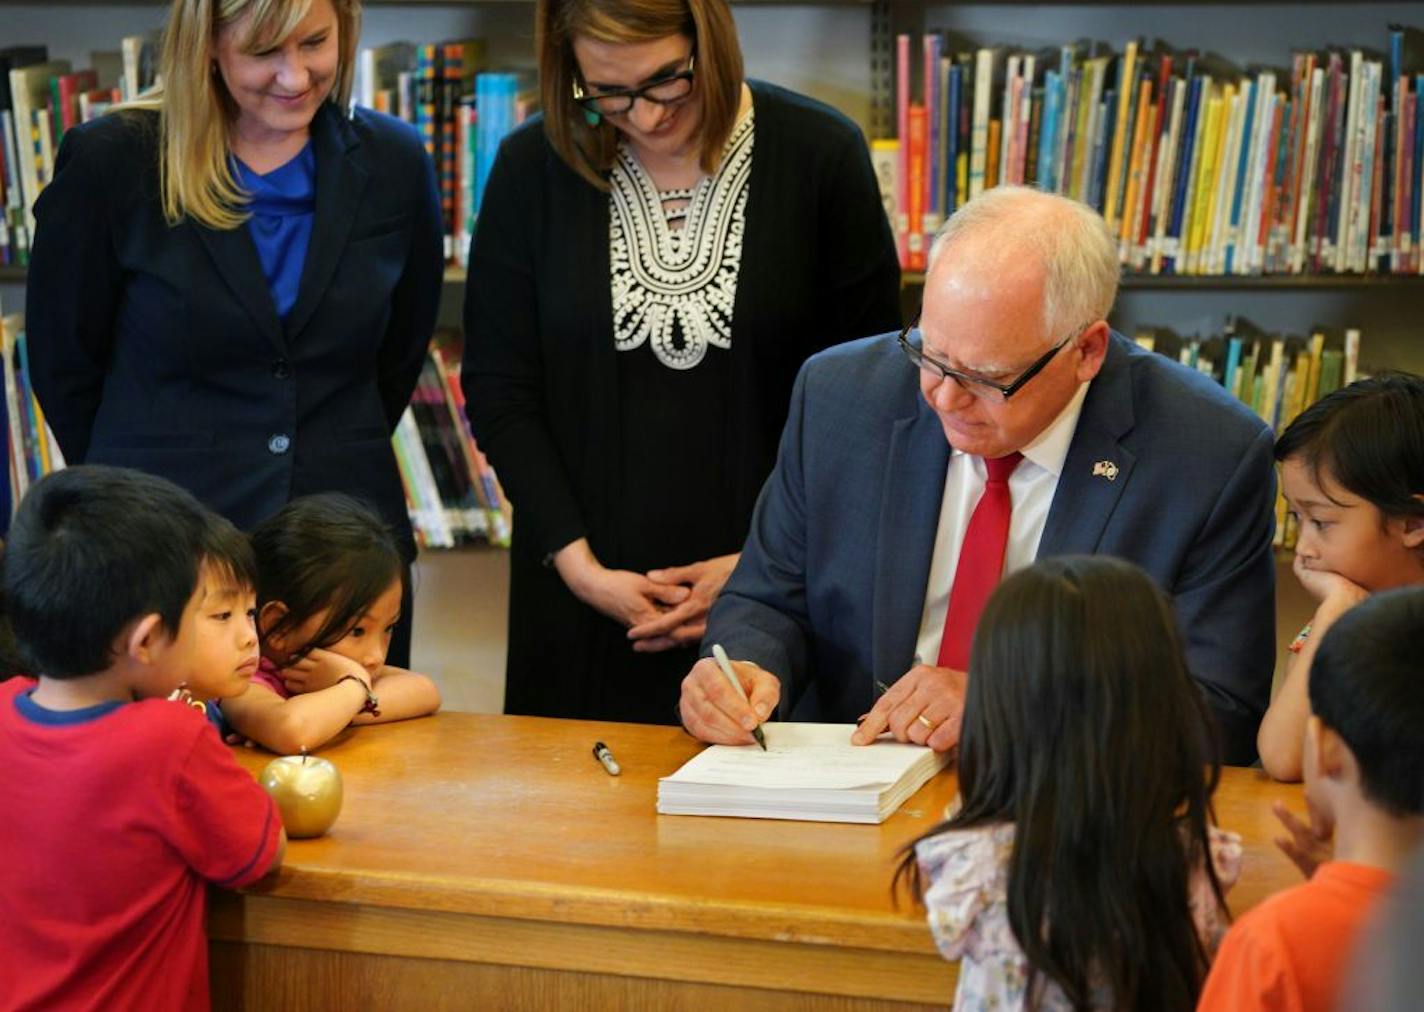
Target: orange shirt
x=1291 y=952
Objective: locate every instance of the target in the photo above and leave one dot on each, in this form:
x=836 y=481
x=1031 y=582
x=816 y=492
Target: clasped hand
x=687 y=622
x=663 y=608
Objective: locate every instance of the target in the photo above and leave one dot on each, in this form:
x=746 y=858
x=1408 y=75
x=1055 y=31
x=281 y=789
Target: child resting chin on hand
x=329 y=586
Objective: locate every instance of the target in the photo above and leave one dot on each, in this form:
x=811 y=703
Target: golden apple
x=307 y=790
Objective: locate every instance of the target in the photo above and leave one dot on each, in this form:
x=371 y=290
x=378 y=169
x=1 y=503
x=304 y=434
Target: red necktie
x=981 y=562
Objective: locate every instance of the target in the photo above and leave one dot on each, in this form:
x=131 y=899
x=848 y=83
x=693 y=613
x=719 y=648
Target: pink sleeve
x=270 y=675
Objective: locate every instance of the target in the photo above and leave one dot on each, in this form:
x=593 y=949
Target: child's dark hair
x=1368 y=437
x=91 y=550
x=1083 y=728
x=228 y=552
x=1367 y=686
x=326 y=552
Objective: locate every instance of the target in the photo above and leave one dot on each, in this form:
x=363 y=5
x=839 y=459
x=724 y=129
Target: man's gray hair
x=1070 y=239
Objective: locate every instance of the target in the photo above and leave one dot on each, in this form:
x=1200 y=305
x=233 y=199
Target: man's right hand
x=713 y=711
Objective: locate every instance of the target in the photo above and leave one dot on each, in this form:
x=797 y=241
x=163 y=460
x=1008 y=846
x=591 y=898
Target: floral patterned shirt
x=967 y=900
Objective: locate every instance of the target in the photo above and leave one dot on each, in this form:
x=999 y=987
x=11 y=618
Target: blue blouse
x=282 y=207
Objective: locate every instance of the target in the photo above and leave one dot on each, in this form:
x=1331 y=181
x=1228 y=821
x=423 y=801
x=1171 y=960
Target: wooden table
x=484 y=861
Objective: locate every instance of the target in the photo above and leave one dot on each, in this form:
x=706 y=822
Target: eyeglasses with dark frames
x=978 y=386
x=664 y=91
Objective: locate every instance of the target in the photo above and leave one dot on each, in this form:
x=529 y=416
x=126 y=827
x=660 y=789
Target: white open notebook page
x=809 y=771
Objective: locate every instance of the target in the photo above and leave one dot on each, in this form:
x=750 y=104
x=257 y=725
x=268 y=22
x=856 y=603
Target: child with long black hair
x=1352 y=472
x=1080 y=869
x=330 y=581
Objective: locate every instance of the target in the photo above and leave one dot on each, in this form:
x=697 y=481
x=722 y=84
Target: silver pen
x=720 y=656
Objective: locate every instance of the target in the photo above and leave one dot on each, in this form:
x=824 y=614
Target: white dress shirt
x=1031 y=488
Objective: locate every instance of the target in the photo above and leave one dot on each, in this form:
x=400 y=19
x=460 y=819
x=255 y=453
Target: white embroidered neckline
x=678 y=283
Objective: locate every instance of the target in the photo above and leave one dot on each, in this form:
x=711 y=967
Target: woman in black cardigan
x=653 y=261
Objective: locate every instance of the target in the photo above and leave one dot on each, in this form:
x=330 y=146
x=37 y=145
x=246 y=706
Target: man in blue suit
x=868 y=557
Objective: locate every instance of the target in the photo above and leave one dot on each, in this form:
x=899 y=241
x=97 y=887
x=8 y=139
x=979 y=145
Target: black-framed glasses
x=663 y=91
x=978 y=386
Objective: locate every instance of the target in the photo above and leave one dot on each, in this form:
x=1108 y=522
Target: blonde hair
x=717 y=88
x=1069 y=238
x=194 y=107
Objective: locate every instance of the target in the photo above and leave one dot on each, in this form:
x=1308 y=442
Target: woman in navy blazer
x=233 y=283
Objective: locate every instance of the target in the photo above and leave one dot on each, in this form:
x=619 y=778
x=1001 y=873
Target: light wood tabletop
x=491 y=855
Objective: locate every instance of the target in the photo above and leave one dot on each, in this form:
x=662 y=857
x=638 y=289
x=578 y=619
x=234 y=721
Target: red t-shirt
x=1290 y=953
x=115 y=819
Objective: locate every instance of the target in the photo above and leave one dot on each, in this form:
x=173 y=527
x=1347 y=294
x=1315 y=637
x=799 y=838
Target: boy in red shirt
x=1364 y=776
x=119 y=805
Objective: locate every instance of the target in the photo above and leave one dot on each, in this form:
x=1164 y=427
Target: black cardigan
x=540 y=371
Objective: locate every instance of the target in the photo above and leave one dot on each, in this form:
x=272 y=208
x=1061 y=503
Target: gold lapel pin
x=1105 y=469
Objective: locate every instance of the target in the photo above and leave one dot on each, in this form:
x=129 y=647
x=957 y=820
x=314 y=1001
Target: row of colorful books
x=31 y=449
x=450 y=489
x=1275 y=375
x=461 y=110
x=40 y=99
x=1198 y=167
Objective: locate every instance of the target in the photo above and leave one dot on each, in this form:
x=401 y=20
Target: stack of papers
x=809 y=771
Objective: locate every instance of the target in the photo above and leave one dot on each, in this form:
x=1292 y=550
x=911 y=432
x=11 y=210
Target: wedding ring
x=925 y=721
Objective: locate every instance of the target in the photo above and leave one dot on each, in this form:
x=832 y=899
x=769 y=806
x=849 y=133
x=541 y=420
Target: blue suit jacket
x=831 y=584
x=159 y=347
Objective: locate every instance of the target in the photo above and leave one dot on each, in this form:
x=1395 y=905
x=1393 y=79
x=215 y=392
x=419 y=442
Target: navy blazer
x=159 y=347
x=831 y=585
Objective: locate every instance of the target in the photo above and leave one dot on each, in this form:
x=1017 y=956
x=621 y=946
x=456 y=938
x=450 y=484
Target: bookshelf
x=1248 y=36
